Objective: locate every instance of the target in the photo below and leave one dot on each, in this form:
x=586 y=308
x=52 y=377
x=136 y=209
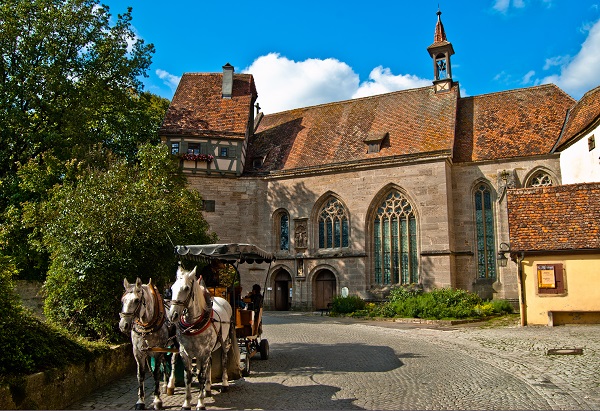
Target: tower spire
x=440 y=51
x=440 y=34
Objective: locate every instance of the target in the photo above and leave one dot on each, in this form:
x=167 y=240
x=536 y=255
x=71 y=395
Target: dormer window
x=374 y=142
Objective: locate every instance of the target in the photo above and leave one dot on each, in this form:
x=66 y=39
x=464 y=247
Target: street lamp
x=501 y=258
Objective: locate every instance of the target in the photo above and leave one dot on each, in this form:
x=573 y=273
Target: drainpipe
x=520 y=256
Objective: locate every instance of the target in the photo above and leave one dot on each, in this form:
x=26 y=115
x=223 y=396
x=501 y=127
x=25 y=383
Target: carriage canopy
x=229 y=253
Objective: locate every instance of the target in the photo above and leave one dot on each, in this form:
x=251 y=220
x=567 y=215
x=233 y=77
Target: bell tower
x=440 y=51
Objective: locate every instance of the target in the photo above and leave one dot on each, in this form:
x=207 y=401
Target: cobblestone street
x=331 y=363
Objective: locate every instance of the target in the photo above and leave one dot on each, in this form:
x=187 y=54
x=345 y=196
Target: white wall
x=580 y=165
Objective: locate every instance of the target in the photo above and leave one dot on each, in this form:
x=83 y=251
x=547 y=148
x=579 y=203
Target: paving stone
x=320 y=362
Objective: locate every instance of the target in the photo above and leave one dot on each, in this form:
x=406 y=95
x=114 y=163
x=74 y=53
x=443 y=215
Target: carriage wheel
x=263 y=348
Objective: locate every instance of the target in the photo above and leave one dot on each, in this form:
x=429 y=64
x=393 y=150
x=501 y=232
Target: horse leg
x=141 y=375
x=203 y=373
x=187 y=363
x=225 y=347
x=171 y=383
x=158 y=362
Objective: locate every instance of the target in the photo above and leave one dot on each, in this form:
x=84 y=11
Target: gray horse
x=201 y=330
x=143 y=315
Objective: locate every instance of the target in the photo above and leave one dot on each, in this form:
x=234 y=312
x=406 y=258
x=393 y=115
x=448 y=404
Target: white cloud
x=579 y=74
x=285 y=84
x=169 y=79
x=527 y=77
x=503 y=5
x=381 y=80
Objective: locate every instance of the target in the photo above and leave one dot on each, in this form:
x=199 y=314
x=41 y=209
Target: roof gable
x=415 y=121
x=555 y=218
x=584 y=113
x=516 y=123
x=198 y=107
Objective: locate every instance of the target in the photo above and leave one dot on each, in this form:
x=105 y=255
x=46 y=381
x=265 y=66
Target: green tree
x=70 y=78
x=114 y=221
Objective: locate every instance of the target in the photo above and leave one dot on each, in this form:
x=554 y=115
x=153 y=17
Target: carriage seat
x=244 y=320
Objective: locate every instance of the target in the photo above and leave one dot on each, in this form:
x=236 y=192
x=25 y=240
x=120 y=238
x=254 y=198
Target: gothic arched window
x=486 y=243
x=541 y=179
x=283 y=233
x=333 y=225
x=395 y=241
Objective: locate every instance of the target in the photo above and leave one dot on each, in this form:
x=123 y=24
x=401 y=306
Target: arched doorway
x=325 y=289
x=283 y=290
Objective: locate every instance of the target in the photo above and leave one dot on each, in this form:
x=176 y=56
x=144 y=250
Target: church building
x=408 y=187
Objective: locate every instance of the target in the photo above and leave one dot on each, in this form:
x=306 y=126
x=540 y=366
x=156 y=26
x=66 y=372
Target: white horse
x=143 y=315
x=200 y=331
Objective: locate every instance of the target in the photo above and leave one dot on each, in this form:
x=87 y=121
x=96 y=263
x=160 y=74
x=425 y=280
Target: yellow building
x=555 y=240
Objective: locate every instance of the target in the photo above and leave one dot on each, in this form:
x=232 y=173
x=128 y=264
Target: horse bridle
x=184 y=303
x=137 y=309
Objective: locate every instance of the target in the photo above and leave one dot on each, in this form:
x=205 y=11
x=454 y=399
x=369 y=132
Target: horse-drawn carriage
x=216 y=331
x=247 y=309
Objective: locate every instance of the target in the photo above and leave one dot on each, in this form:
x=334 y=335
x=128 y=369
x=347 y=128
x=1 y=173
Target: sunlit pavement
x=320 y=362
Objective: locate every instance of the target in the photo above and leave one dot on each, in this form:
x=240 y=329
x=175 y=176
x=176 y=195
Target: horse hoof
x=140 y=406
x=158 y=406
x=170 y=391
x=208 y=393
x=224 y=389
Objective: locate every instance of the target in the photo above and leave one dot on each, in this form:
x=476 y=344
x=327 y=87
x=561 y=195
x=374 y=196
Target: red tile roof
x=508 y=124
x=198 y=108
x=555 y=218
x=585 y=113
x=415 y=121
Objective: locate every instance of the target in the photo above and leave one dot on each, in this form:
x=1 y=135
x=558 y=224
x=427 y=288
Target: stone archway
x=282 y=290
x=325 y=286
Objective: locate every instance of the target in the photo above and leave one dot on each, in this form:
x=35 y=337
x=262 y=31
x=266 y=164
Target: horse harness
x=204 y=321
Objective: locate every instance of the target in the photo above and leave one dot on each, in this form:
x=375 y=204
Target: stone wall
x=55 y=389
x=441 y=194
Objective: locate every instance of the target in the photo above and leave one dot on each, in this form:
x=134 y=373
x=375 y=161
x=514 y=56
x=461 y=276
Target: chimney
x=227 y=80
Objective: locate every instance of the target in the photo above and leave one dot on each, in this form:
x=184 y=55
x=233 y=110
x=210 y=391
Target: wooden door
x=325 y=289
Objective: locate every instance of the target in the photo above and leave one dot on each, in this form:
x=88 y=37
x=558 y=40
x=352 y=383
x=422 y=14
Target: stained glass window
x=486 y=244
x=284 y=231
x=333 y=225
x=395 y=242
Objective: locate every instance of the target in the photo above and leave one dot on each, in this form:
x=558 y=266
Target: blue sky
x=313 y=52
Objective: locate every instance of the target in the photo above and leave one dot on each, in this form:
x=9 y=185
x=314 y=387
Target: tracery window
x=541 y=179
x=395 y=241
x=333 y=225
x=283 y=233
x=486 y=243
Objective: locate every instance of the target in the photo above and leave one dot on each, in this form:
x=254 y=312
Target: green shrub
x=404 y=292
x=502 y=307
x=29 y=345
x=346 y=305
x=113 y=223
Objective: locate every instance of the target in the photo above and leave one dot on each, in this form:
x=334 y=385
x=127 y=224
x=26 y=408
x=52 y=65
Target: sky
x=319 y=51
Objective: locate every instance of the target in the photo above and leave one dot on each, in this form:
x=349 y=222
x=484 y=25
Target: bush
x=29 y=345
x=346 y=305
x=112 y=223
x=502 y=307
